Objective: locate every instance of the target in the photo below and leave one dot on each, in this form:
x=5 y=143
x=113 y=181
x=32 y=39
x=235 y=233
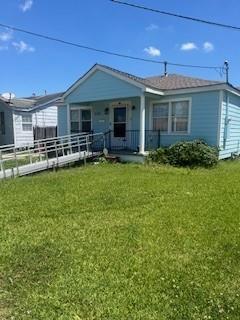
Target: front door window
x=120 y=122
x=86 y=120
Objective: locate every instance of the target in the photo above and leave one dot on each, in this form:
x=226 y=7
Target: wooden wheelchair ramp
x=49 y=153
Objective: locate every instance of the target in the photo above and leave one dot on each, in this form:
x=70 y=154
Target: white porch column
x=142 y=125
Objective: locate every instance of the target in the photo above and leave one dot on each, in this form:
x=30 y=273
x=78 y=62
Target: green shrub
x=194 y=153
x=158 y=156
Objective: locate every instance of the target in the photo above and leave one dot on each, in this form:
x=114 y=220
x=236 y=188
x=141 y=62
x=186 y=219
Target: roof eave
x=211 y=87
x=154 y=91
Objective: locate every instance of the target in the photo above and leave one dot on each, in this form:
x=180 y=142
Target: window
x=75 y=121
x=81 y=120
x=86 y=120
x=2 y=123
x=160 y=116
x=180 y=113
x=120 y=117
x=27 y=122
x=171 y=117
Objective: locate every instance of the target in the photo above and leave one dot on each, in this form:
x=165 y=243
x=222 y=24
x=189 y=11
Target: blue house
x=139 y=114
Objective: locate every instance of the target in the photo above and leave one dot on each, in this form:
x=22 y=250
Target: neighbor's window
x=27 y=122
x=171 y=117
x=180 y=115
x=2 y=123
x=160 y=116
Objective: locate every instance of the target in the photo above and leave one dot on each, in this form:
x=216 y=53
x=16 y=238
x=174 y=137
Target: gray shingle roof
x=34 y=102
x=169 y=82
x=39 y=100
x=176 y=81
x=21 y=103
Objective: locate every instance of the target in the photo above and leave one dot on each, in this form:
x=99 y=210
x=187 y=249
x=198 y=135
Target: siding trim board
x=230 y=130
x=219 y=117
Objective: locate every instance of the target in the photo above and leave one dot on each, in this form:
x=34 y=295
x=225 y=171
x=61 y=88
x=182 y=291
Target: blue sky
x=30 y=65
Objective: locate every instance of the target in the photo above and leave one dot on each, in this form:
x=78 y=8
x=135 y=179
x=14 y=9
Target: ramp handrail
x=27 y=145
x=12 y=157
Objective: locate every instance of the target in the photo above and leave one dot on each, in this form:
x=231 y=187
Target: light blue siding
x=230 y=126
x=100 y=119
x=102 y=86
x=203 y=121
x=8 y=137
x=62 y=121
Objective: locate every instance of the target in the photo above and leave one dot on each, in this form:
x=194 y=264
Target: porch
x=124 y=122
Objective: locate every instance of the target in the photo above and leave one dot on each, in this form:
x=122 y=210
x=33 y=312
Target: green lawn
x=121 y=242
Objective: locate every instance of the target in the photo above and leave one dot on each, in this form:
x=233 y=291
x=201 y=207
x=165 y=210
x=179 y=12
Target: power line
x=112 y=53
x=213 y=23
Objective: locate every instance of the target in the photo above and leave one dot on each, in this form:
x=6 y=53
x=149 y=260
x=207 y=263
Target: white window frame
x=78 y=108
x=170 y=101
x=27 y=123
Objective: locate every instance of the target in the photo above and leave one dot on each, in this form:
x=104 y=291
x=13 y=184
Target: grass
x=24 y=160
x=121 y=242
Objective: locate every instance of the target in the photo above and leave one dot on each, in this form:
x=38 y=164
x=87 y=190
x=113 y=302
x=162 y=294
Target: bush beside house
x=194 y=153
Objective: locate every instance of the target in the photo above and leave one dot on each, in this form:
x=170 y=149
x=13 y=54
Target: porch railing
x=130 y=142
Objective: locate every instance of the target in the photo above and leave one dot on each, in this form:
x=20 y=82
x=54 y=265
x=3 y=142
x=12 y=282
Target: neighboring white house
x=27 y=119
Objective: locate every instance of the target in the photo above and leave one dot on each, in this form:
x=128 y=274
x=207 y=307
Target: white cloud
x=22 y=46
x=152 y=27
x=188 y=46
x=26 y=5
x=6 y=36
x=152 y=51
x=208 y=46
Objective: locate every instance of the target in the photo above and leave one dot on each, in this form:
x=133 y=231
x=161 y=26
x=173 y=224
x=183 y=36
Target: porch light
x=106 y=111
x=133 y=107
